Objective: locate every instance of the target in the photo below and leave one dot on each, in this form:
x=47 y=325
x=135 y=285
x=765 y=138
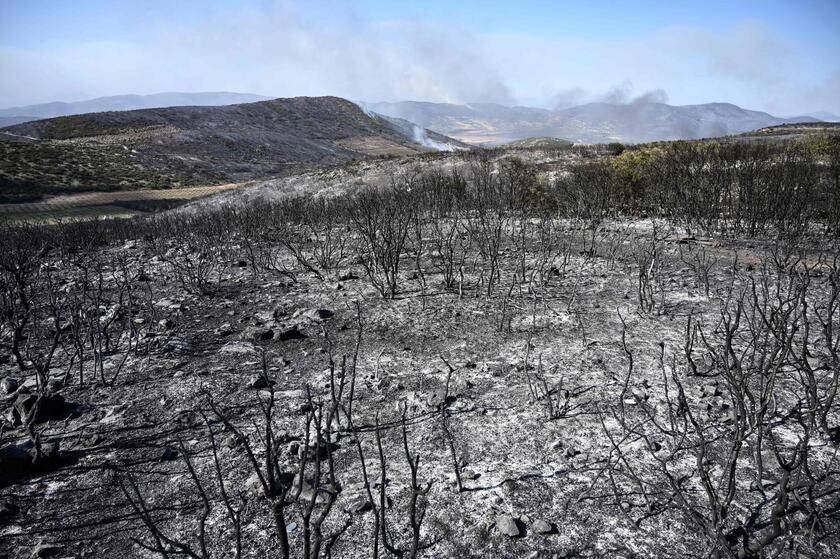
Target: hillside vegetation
x=177 y=146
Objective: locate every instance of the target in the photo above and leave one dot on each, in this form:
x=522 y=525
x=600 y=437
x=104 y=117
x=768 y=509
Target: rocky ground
x=534 y=483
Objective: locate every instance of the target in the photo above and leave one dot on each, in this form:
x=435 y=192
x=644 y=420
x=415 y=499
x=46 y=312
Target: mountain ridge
x=596 y=122
x=129 y=102
x=194 y=145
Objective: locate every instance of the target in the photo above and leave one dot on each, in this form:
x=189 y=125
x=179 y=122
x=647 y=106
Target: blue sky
x=771 y=55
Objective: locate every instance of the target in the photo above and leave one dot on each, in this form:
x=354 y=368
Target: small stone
x=291 y=527
x=470 y=474
x=232 y=441
x=360 y=505
x=542 y=527
x=253 y=485
x=9 y=385
x=508 y=526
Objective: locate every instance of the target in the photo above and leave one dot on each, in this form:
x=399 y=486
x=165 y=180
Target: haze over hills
x=588 y=123
x=15 y=115
x=483 y=123
x=166 y=147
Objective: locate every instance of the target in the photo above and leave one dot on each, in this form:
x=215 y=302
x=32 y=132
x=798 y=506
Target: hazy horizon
x=778 y=57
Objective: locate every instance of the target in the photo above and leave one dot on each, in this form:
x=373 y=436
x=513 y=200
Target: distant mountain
x=169 y=147
x=589 y=123
x=125 y=103
x=538 y=143
x=478 y=123
x=793 y=130
x=825 y=116
x=10 y=120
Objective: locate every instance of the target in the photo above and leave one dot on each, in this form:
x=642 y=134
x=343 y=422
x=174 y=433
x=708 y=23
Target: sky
x=778 y=56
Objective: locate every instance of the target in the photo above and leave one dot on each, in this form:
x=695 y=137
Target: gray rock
x=307 y=491
x=259 y=334
x=470 y=474
x=54 y=385
x=166 y=324
x=542 y=527
x=253 y=486
x=51 y=406
x=319 y=315
x=49 y=451
x=508 y=526
x=360 y=505
x=9 y=385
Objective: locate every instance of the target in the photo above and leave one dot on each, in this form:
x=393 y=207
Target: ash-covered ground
x=417 y=377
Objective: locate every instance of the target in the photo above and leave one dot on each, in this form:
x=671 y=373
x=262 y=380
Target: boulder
x=508 y=525
x=51 y=406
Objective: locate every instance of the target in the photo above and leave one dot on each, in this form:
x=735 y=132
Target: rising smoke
x=423 y=139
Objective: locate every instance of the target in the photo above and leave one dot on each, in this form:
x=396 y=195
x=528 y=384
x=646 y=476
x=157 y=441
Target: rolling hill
x=589 y=123
x=179 y=146
x=15 y=115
